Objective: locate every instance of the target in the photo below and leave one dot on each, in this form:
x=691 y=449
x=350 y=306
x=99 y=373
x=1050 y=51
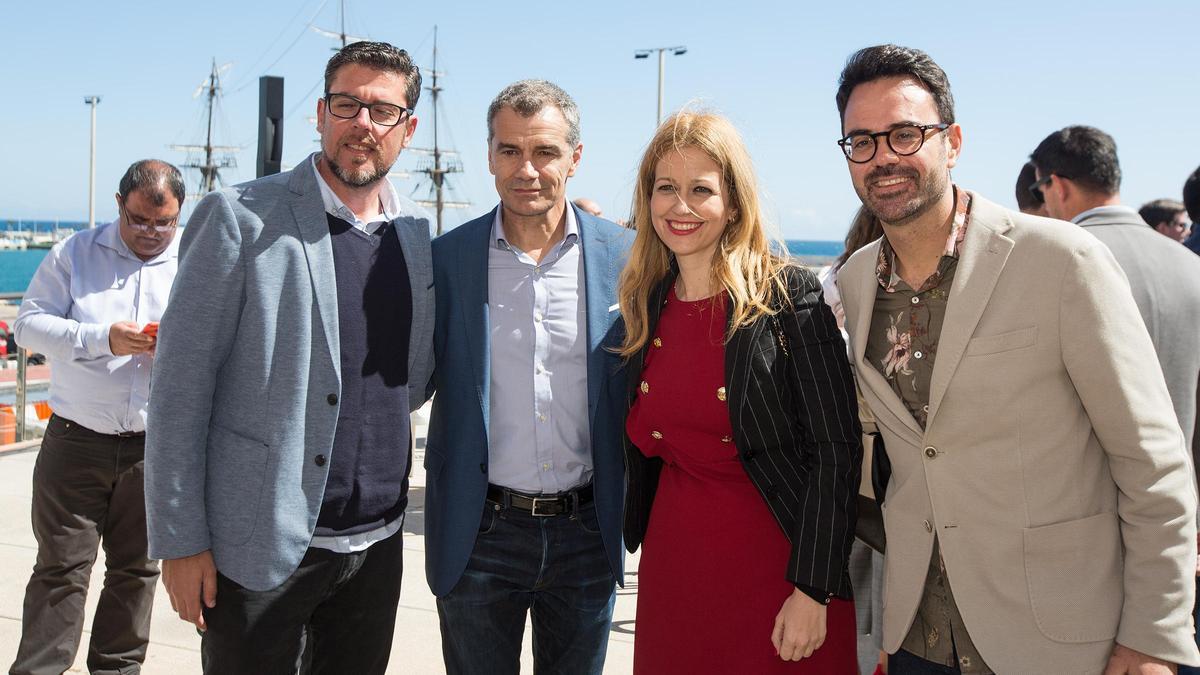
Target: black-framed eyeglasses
x=161 y=227
x=904 y=140
x=346 y=107
x=1035 y=188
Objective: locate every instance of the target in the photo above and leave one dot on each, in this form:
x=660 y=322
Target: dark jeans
x=551 y=567
x=87 y=491
x=907 y=663
x=344 y=603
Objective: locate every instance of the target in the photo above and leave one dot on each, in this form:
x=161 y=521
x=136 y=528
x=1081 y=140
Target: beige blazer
x=1051 y=468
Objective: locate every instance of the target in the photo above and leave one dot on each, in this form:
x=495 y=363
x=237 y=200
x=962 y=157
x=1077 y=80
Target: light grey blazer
x=247 y=378
x=1165 y=279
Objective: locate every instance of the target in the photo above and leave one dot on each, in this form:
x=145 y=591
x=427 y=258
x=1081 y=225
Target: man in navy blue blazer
x=525 y=476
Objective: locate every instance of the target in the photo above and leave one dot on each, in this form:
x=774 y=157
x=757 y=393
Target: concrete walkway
x=175 y=647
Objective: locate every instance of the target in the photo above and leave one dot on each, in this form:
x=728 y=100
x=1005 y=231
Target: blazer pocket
x=237 y=468
x=1073 y=570
x=1004 y=342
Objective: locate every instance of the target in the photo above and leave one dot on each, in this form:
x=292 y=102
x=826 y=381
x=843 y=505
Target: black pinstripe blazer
x=795 y=425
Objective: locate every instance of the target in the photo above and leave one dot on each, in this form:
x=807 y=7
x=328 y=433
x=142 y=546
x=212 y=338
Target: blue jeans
x=551 y=567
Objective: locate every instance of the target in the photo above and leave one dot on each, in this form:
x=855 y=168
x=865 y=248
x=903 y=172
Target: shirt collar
x=885 y=265
x=335 y=207
x=109 y=236
x=1114 y=209
x=571 y=229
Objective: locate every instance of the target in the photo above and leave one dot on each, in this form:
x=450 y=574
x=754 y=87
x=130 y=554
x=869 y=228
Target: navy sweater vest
x=368 y=469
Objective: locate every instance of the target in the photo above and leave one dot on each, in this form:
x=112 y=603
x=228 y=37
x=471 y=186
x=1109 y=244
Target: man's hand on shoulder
x=126 y=337
x=190 y=581
x=1126 y=661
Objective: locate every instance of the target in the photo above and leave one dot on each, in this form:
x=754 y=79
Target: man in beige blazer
x=1040 y=516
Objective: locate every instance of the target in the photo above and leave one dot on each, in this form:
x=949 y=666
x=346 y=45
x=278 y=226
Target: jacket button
x=771 y=491
x=928 y=526
x=319 y=460
x=931 y=452
x=482 y=468
x=332 y=398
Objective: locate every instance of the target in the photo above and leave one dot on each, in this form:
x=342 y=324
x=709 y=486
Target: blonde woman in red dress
x=744 y=454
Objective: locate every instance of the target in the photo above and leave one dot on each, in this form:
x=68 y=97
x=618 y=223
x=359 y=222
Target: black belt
x=120 y=434
x=541 y=505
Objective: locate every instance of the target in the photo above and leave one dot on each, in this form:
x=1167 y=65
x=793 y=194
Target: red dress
x=712 y=573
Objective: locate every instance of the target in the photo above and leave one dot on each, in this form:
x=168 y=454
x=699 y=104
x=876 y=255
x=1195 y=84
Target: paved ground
x=174 y=648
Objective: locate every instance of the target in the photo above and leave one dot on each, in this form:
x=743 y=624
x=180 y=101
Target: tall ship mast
x=207 y=158
x=341 y=36
x=439 y=162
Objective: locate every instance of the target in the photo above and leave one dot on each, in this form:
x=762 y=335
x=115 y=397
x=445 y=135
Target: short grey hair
x=528 y=97
x=155 y=177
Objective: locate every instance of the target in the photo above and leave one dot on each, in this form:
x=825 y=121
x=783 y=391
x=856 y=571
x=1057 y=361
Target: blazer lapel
x=981 y=260
x=859 y=327
x=308 y=210
x=600 y=282
x=419 y=274
x=738 y=353
x=473 y=261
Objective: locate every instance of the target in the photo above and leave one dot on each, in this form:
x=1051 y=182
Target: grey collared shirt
x=539 y=436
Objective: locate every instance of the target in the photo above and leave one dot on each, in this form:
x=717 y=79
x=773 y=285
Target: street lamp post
x=662 y=67
x=93 y=101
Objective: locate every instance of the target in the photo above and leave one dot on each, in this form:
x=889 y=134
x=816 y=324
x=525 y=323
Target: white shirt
x=86 y=283
x=389 y=203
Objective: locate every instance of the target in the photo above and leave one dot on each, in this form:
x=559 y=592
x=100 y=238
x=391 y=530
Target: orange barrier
x=8 y=425
x=8 y=420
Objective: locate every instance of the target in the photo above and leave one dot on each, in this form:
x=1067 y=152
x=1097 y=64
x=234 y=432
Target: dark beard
x=930 y=189
x=358 y=180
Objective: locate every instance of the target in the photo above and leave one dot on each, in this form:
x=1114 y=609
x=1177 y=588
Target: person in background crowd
x=1029 y=200
x=588 y=206
x=1168 y=217
x=866 y=563
x=1191 y=201
x=743 y=473
x=278 y=453
x=1080 y=176
x=92 y=307
x=523 y=461
x=1040 y=511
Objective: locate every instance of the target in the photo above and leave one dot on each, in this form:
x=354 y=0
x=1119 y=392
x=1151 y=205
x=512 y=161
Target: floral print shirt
x=903 y=344
x=907 y=323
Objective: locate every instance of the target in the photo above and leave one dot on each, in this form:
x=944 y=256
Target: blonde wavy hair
x=744 y=263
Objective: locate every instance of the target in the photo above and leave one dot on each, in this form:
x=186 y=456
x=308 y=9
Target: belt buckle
x=543 y=500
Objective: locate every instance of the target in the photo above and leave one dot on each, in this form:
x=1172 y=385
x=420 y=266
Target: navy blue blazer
x=456 y=451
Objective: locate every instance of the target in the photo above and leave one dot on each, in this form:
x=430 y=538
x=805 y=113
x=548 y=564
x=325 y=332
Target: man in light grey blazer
x=298 y=340
x=1080 y=177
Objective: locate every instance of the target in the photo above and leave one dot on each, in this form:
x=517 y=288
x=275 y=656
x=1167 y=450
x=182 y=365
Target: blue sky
x=1019 y=70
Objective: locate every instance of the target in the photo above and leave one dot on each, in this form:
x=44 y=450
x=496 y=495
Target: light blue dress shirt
x=86 y=283
x=539 y=436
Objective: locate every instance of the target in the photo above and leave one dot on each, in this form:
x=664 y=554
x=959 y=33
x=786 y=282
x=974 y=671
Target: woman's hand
x=799 y=627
